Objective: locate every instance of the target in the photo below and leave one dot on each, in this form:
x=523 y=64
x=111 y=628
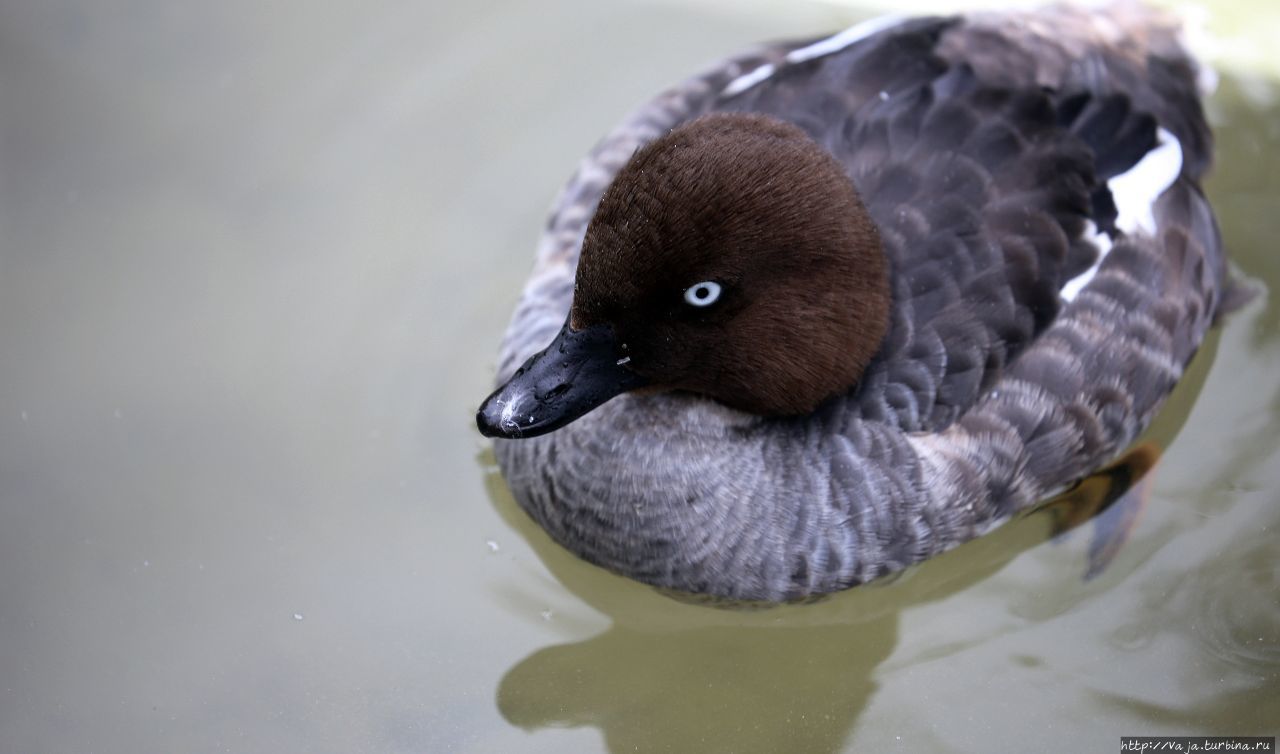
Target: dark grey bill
x=580 y=370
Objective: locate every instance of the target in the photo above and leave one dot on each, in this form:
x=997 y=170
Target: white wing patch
x=1103 y=243
x=843 y=39
x=748 y=80
x=826 y=46
x=1134 y=192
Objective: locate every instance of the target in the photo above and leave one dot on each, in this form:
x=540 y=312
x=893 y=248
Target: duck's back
x=1000 y=158
x=983 y=151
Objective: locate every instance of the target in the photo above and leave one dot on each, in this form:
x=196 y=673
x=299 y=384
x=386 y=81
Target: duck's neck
x=685 y=494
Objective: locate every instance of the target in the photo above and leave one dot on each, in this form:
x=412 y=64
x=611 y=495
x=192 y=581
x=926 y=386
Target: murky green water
x=255 y=260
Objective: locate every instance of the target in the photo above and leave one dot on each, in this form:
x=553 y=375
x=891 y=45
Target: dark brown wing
x=982 y=187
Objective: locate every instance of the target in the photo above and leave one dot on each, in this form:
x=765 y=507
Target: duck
x=835 y=306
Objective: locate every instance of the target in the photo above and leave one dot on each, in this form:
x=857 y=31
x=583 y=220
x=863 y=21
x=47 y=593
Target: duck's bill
x=580 y=370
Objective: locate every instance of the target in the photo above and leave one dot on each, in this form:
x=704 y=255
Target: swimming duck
x=836 y=306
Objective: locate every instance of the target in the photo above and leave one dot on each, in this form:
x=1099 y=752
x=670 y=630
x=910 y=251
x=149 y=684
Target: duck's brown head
x=730 y=258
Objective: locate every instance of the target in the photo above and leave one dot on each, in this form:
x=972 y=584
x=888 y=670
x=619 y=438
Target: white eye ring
x=702 y=294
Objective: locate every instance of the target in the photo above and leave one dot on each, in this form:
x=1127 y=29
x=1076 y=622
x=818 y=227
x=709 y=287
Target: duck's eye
x=702 y=294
